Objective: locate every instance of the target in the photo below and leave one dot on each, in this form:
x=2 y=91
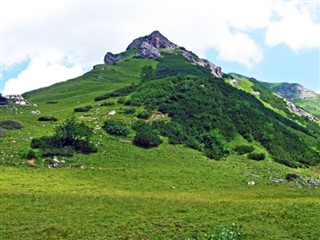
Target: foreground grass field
x=125 y=192
x=164 y=193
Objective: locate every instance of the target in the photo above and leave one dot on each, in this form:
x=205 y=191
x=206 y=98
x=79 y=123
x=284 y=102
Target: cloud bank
x=65 y=38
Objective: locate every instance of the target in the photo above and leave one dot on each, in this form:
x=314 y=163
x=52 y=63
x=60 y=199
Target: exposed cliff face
x=155 y=40
x=291 y=91
x=149 y=47
x=110 y=58
x=300 y=111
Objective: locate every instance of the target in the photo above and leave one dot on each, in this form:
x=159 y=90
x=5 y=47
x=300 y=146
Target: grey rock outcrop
x=291 y=91
x=300 y=111
x=110 y=58
x=3 y=101
x=149 y=47
x=155 y=39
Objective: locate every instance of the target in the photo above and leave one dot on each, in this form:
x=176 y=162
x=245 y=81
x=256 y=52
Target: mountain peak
x=149 y=46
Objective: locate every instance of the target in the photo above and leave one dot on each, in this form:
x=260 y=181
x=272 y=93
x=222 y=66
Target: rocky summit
x=149 y=47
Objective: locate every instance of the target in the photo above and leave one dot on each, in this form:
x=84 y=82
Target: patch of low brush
x=10 y=125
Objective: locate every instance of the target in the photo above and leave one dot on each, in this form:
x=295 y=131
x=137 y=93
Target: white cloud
x=296 y=25
x=43 y=71
x=88 y=29
x=240 y=48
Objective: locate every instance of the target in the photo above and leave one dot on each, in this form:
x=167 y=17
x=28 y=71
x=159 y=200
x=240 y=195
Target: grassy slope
x=311 y=105
x=126 y=192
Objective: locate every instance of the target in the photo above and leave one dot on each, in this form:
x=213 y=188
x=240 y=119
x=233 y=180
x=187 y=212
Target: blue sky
x=276 y=41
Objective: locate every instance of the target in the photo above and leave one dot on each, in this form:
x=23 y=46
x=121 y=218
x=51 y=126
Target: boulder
x=110 y=58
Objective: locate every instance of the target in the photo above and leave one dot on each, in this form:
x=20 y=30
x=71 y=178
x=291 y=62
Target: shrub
x=291 y=177
x=117 y=93
x=121 y=100
x=146 y=137
x=257 y=156
x=129 y=111
x=47 y=119
x=117 y=128
x=144 y=114
x=147 y=73
x=83 y=109
x=69 y=137
x=106 y=104
x=63 y=152
x=10 y=125
x=85 y=147
x=52 y=102
x=31 y=154
x=243 y=149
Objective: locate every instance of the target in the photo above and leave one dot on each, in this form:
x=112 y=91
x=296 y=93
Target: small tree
x=70 y=134
x=72 y=131
x=147 y=73
x=116 y=128
x=146 y=137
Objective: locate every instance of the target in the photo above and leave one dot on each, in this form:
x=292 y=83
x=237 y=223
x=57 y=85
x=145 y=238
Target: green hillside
x=305 y=98
x=224 y=157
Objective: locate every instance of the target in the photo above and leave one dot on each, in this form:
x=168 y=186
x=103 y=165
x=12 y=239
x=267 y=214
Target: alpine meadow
x=157 y=143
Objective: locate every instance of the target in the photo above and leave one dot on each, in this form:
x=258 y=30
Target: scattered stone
x=54 y=162
x=277 y=180
x=300 y=111
x=36 y=112
x=251 y=183
x=252 y=175
x=113 y=112
x=2 y=133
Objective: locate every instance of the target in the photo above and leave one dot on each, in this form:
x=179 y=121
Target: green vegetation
x=243 y=149
x=70 y=136
x=116 y=128
x=147 y=73
x=146 y=136
x=164 y=192
x=47 y=119
x=10 y=125
x=256 y=156
x=83 y=109
x=198 y=105
x=222 y=233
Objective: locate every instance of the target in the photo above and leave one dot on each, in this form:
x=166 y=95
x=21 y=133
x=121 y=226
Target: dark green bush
x=146 y=137
x=121 y=100
x=243 y=149
x=129 y=111
x=117 y=128
x=291 y=177
x=69 y=137
x=257 y=156
x=117 y=93
x=144 y=114
x=47 y=119
x=147 y=73
x=83 y=109
x=63 y=152
x=31 y=154
x=10 y=125
x=106 y=104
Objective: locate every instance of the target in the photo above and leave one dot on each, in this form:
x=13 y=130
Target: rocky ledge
x=149 y=47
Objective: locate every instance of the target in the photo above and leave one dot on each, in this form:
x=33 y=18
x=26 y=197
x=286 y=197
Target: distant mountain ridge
x=291 y=91
x=296 y=94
